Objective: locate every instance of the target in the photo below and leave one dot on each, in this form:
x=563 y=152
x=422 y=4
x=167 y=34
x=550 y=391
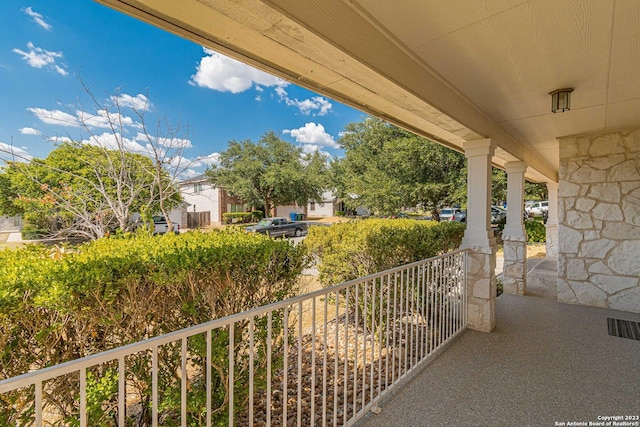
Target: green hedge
x=256 y=215
x=536 y=231
x=357 y=248
x=241 y=217
x=236 y=217
x=58 y=304
x=30 y=232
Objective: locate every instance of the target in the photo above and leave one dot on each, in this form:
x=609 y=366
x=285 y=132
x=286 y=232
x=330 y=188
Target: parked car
x=528 y=204
x=497 y=214
x=278 y=227
x=538 y=208
x=446 y=214
x=460 y=216
x=160 y=225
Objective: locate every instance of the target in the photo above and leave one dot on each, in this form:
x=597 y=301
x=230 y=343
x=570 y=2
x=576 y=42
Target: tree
x=532 y=190
x=386 y=168
x=88 y=190
x=270 y=172
x=535 y=191
x=153 y=158
x=163 y=143
x=498 y=185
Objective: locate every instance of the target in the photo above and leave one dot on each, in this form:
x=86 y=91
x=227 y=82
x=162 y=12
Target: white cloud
x=210 y=160
x=221 y=73
x=177 y=143
x=317 y=105
x=37 y=18
x=311 y=148
x=312 y=134
x=189 y=173
x=102 y=119
x=59 y=139
x=10 y=153
x=55 y=117
x=30 y=131
x=39 y=58
x=114 y=141
x=139 y=102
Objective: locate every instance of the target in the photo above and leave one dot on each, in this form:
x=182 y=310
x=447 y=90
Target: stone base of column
x=552 y=240
x=514 y=276
x=481 y=291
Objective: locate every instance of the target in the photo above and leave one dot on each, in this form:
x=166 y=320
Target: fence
x=324 y=358
x=198 y=219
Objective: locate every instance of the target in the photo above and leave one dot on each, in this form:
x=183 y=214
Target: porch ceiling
x=451 y=71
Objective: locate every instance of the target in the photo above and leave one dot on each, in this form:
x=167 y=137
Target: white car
x=161 y=226
x=497 y=213
x=446 y=214
x=538 y=208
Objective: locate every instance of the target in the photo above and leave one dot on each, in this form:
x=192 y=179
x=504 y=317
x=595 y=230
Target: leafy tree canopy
x=386 y=168
x=270 y=172
x=87 y=190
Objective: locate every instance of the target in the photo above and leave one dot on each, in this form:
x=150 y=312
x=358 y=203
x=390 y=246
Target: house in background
x=287 y=210
x=333 y=206
x=329 y=206
x=205 y=203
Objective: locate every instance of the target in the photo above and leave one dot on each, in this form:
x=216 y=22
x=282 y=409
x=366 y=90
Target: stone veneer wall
x=599 y=220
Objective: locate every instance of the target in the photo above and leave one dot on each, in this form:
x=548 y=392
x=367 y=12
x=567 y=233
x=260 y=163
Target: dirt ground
x=536 y=250
x=4 y=244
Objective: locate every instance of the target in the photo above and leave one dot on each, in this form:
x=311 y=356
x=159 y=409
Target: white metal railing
x=323 y=358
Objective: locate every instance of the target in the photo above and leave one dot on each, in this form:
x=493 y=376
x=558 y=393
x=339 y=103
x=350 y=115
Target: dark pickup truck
x=278 y=227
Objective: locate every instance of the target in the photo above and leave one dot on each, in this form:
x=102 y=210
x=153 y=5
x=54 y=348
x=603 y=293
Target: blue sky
x=47 y=46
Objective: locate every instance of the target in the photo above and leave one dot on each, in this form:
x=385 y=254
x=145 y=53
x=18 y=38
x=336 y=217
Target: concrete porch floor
x=545 y=363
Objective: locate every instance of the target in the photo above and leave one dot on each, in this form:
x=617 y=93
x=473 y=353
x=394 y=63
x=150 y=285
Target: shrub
x=235 y=217
x=536 y=231
x=32 y=232
x=58 y=304
x=257 y=215
x=357 y=248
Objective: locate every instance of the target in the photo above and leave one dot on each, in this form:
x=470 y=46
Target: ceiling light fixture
x=561 y=100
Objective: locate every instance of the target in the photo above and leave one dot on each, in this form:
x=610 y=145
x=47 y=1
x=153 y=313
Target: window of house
x=312 y=206
x=236 y=208
x=197 y=188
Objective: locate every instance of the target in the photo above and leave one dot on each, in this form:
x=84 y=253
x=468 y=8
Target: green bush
x=536 y=231
x=257 y=215
x=357 y=248
x=59 y=304
x=31 y=232
x=237 y=217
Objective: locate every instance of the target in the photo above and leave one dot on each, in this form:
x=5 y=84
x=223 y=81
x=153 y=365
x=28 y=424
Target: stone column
x=552 y=221
x=514 y=235
x=478 y=237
